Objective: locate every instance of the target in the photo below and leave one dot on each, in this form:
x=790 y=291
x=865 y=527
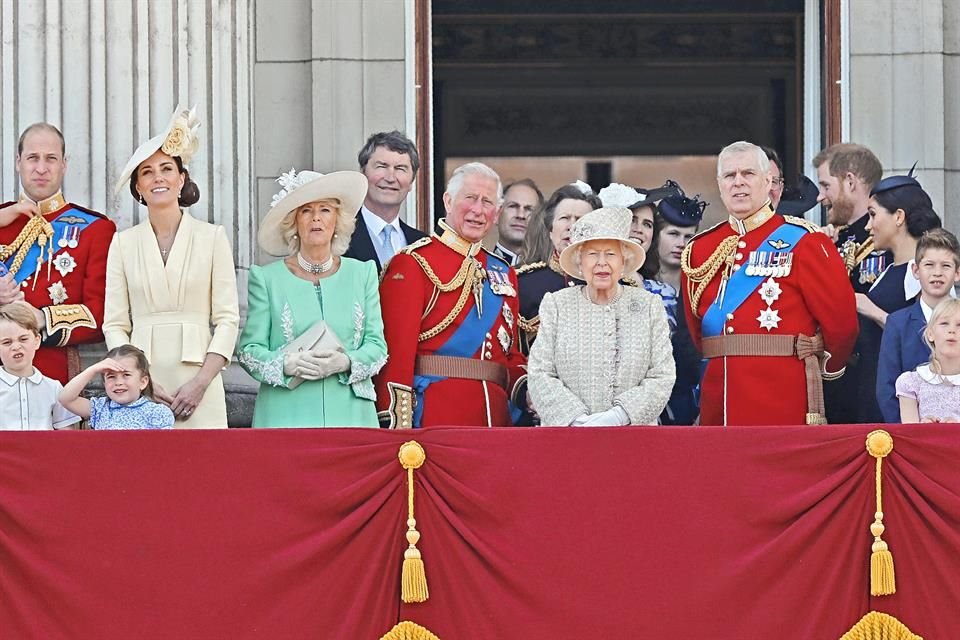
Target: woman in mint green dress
x=310 y=222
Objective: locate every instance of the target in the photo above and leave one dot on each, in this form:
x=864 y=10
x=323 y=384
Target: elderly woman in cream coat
x=603 y=354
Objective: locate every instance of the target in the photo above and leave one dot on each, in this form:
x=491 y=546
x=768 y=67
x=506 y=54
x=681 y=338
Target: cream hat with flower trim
x=349 y=187
x=180 y=139
x=608 y=223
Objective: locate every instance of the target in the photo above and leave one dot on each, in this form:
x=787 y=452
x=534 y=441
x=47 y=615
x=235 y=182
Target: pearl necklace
x=314 y=268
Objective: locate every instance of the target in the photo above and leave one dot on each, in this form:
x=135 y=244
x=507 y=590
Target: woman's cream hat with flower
x=349 y=187
x=607 y=223
x=180 y=138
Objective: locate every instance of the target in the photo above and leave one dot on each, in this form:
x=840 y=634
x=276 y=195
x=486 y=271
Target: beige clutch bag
x=319 y=337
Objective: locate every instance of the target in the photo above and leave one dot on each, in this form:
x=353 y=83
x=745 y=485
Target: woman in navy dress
x=900 y=212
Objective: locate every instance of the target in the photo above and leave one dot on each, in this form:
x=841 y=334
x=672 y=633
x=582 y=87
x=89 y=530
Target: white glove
x=613 y=417
x=580 y=420
x=332 y=362
x=303 y=364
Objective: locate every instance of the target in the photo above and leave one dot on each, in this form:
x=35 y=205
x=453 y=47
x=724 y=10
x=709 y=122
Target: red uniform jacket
x=815 y=296
x=414 y=310
x=71 y=296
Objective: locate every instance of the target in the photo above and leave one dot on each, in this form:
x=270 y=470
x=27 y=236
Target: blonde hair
x=342 y=230
x=948 y=307
x=19 y=313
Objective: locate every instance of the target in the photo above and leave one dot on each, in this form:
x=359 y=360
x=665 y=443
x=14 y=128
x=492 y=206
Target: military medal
x=62 y=242
x=504 y=337
x=74 y=238
x=64 y=263
x=770 y=291
x=500 y=283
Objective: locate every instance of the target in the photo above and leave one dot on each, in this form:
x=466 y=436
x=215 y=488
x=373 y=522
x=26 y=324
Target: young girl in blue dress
x=128 y=403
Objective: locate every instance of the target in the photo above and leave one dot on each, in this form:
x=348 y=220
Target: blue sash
x=462 y=343
x=740 y=285
x=70 y=217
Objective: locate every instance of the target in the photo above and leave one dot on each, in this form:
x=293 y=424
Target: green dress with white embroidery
x=282 y=306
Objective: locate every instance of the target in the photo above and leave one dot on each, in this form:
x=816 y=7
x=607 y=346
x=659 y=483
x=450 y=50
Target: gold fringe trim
x=407 y=630
x=882 y=577
x=879 y=626
x=413 y=578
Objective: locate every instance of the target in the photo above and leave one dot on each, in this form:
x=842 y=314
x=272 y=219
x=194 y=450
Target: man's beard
x=841 y=211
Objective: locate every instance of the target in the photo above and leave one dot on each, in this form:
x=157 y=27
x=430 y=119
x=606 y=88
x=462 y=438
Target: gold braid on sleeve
x=700 y=277
x=466 y=279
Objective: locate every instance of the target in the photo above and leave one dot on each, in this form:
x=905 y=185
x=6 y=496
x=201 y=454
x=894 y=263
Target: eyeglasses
x=777 y=182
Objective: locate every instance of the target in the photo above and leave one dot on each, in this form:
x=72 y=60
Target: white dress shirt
x=375 y=225
x=31 y=403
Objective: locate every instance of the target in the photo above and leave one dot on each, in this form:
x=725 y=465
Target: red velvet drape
x=735 y=533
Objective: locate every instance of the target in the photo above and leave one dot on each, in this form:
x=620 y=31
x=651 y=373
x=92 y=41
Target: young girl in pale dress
x=129 y=401
x=932 y=392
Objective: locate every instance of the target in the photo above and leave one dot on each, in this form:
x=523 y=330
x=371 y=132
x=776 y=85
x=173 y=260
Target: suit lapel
x=361 y=246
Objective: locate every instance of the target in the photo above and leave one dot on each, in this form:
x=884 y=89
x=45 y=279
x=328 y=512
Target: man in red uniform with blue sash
x=768 y=301
x=53 y=254
x=450 y=316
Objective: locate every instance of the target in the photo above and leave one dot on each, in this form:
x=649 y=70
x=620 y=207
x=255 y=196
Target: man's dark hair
x=525 y=182
x=773 y=157
x=41 y=126
x=853 y=158
x=393 y=140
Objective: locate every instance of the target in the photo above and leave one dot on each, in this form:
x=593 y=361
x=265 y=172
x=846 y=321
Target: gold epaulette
x=416 y=244
x=530 y=266
x=801 y=222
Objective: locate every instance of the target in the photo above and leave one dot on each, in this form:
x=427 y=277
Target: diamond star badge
x=770 y=291
x=504 y=337
x=64 y=263
x=58 y=293
x=769 y=319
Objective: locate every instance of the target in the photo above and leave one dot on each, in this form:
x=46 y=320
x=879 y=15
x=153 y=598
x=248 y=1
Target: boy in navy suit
x=937 y=267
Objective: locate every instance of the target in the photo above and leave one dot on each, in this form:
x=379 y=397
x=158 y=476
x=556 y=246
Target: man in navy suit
x=390 y=161
x=903 y=348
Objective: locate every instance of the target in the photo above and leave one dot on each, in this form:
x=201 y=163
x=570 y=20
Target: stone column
x=902 y=76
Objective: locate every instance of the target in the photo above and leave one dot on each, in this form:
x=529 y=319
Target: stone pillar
x=328 y=73
x=902 y=76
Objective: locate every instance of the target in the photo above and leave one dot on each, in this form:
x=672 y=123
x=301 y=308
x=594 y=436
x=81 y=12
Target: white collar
x=926 y=309
x=927 y=375
x=506 y=253
x=11 y=379
x=911 y=286
x=376 y=224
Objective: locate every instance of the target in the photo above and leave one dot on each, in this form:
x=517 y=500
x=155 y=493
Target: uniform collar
x=928 y=375
x=11 y=379
x=47 y=205
x=456 y=242
x=554 y=263
x=752 y=221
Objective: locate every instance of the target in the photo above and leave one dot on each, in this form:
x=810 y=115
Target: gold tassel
x=407 y=630
x=882 y=578
x=413 y=580
x=879 y=626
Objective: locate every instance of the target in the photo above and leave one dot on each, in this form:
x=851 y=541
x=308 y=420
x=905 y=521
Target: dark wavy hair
x=143 y=366
x=916 y=205
x=536 y=244
x=189 y=195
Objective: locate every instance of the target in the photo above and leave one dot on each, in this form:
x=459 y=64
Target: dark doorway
x=653 y=88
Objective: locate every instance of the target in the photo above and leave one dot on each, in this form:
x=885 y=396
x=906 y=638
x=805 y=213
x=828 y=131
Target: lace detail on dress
x=357 y=325
x=360 y=378
x=286 y=322
x=269 y=371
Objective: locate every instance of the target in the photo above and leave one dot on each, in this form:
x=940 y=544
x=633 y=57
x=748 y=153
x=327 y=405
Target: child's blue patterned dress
x=140 y=414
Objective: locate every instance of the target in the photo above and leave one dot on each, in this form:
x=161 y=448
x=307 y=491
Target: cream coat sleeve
x=224 y=307
x=116 y=305
x=645 y=402
x=556 y=404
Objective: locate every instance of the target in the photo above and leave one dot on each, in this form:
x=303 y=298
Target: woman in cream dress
x=170 y=278
x=603 y=355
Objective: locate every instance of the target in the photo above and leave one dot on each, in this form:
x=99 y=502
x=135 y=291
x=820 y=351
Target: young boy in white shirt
x=28 y=399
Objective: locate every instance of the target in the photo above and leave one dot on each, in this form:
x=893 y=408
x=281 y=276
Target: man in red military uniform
x=54 y=254
x=766 y=298
x=450 y=319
